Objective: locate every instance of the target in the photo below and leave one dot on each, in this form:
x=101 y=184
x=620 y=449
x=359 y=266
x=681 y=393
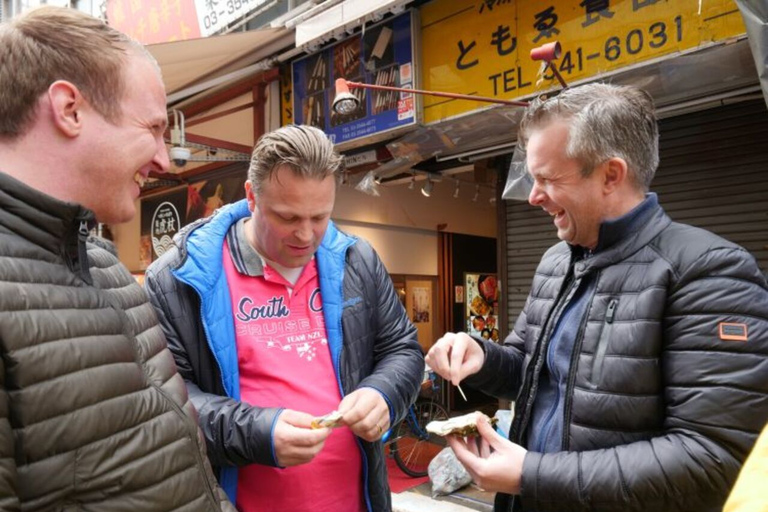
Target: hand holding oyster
x=464 y=426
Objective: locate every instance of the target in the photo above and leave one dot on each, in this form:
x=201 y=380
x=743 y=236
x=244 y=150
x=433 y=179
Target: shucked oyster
x=464 y=426
x=330 y=420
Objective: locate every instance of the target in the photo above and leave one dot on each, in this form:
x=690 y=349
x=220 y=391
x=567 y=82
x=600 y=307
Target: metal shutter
x=713 y=174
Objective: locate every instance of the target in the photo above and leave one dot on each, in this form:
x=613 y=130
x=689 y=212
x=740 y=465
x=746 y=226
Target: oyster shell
x=464 y=426
x=330 y=420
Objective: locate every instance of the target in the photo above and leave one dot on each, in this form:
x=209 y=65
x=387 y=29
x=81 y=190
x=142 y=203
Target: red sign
x=154 y=21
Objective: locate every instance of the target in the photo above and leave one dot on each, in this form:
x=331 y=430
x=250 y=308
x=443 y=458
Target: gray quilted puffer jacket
x=660 y=410
x=93 y=415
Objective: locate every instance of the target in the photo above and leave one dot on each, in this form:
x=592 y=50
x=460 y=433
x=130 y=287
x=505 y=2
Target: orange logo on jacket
x=733 y=332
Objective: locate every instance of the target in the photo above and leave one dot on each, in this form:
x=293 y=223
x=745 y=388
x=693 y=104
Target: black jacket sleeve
x=381 y=342
x=236 y=433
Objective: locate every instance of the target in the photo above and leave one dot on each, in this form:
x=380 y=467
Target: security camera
x=180 y=156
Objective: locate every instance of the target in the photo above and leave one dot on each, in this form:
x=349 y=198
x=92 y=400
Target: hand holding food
x=294 y=439
x=366 y=413
x=495 y=463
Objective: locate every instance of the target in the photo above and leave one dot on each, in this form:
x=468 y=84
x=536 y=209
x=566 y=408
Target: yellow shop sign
x=482 y=47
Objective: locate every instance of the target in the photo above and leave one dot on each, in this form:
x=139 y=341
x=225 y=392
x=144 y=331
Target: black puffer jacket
x=661 y=407
x=93 y=415
x=379 y=344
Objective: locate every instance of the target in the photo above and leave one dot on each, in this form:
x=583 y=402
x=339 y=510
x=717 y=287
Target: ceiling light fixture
x=426 y=190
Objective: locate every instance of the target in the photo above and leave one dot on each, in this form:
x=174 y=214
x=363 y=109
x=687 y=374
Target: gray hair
x=606 y=121
x=306 y=150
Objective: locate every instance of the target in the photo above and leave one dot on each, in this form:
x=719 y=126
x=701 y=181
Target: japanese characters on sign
x=214 y=15
x=382 y=55
x=161 y=21
x=482 y=46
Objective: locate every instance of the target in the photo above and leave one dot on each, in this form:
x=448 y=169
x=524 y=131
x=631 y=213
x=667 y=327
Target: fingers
x=366 y=413
x=465 y=455
x=455 y=356
x=458 y=352
x=489 y=434
x=295 y=443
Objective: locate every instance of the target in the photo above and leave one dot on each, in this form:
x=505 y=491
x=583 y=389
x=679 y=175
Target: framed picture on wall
x=481 y=305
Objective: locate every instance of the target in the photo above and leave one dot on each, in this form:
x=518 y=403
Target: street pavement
x=418 y=499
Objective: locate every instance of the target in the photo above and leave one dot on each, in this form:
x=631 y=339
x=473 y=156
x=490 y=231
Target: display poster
x=205 y=197
x=421 y=304
x=161 y=218
x=482 y=305
x=163 y=215
x=382 y=55
x=483 y=47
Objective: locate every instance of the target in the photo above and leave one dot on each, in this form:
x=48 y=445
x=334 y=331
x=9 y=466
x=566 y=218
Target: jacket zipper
x=551 y=322
x=568 y=399
x=602 y=345
x=82 y=252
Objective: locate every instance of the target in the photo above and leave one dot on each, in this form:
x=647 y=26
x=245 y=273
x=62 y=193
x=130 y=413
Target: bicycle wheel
x=413 y=448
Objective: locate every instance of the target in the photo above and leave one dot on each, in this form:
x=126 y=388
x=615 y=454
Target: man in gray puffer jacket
x=638 y=364
x=93 y=414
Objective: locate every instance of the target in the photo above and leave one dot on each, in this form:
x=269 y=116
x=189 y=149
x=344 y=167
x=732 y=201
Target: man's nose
x=536 y=197
x=161 y=159
x=304 y=232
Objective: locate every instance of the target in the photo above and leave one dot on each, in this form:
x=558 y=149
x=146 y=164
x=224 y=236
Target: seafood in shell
x=464 y=426
x=330 y=420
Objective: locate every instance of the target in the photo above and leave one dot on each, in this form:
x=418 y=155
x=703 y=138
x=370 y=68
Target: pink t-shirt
x=285 y=361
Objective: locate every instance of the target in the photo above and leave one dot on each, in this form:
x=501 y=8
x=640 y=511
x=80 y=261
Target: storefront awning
x=191 y=62
x=333 y=22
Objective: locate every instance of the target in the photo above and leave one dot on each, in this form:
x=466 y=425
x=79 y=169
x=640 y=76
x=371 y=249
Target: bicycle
x=409 y=443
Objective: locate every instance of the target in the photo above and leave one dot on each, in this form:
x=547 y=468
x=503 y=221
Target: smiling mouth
x=140 y=179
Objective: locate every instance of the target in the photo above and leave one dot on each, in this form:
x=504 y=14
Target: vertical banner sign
x=482 y=46
x=383 y=55
x=286 y=96
x=161 y=218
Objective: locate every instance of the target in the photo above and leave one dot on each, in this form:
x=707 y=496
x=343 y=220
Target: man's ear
x=66 y=107
x=250 y=195
x=615 y=174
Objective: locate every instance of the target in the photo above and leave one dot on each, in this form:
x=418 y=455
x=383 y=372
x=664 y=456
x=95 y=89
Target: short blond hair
x=54 y=43
x=306 y=150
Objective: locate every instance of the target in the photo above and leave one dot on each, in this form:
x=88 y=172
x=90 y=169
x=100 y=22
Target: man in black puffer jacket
x=275 y=316
x=638 y=364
